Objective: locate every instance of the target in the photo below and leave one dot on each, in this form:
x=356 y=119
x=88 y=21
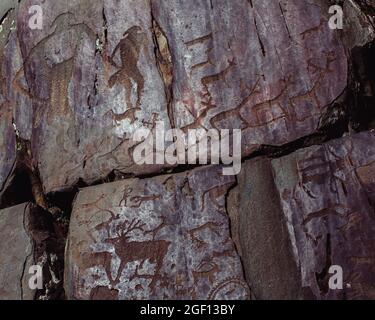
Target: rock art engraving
x=133 y=251
x=74 y=94
x=146 y=247
x=130 y=46
x=229 y=80
x=55 y=67
x=329 y=208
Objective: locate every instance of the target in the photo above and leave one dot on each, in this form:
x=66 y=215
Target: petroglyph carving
x=314 y=169
x=128 y=114
x=330 y=208
x=194 y=233
x=55 y=69
x=208 y=77
x=130 y=46
x=133 y=251
x=206 y=270
x=141 y=242
x=136 y=201
x=228 y=287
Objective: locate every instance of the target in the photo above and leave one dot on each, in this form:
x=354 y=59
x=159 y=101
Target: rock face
x=98 y=71
x=30 y=238
x=7 y=137
x=93 y=80
x=160 y=238
x=258 y=66
x=299 y=215
x=74 y=92
x=261 y=235
x=16 y=254
x=327 y=195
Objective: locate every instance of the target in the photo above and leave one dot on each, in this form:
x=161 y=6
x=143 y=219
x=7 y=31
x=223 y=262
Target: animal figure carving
x=130 y=47
x=131 y=251
x=56 y=74
x=206 y=270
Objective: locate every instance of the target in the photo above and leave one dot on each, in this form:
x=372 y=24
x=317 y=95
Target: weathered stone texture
x=73 y=93
x=359 y=22
x=7 y=136
x=158 y=238
x=29 y=236
x=16 y=254
x=261 y=66
x=292 y=220
x=327 y=195
x=90 y=84
x=85 y=85
x=260 y=232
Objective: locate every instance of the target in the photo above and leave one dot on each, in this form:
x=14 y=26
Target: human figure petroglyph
x=130 y=47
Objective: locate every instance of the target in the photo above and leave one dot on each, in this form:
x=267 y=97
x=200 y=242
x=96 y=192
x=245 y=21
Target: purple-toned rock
x=328 y=197
x=7 y=146
x=30 y=238
x=16 y=254
x=260 y=232
x=98 y=71
x=158 y=238
x=9 y=61
x=93 y=80
x=270 y=68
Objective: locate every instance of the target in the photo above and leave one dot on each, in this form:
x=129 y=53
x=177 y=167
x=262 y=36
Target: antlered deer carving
x=129 y=251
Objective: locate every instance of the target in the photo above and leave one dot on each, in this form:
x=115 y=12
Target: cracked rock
x=261 y=235
x=296 y=217
x=96 y=72
x=29 y=238
x=16 y=254
x=327 y=197
x=159 y=238
x=73 y=93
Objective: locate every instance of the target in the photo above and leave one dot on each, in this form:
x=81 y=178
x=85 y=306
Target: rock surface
x=190 y=65
x=16 y=254
x=7 y=137
x=93 y=79
x=260 y=232
x=327 y=195
x=30 y=237
x=254 y=65
x=295 y=217
x=73 y=93
x=159 y=238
